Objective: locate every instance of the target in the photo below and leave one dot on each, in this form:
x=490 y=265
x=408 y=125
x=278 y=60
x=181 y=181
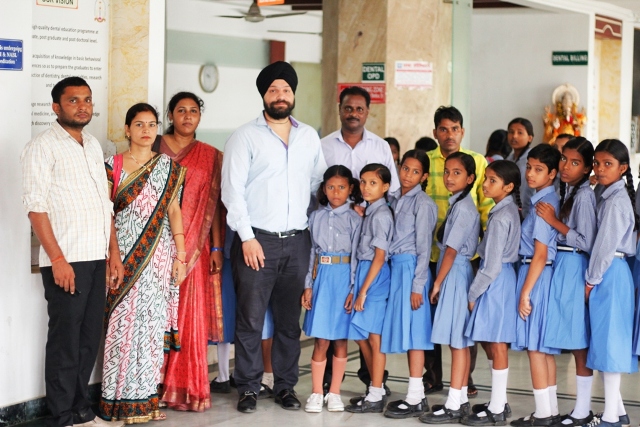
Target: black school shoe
x=247 y=402
x=366 y=407
x=533 y=421
x=265 y=392
x=464 y=407
x=288 y=400
x=394 y=411
x=490 y=419
x=222 y=387
x=575 y=422
x=484 y=407
x=448 y=417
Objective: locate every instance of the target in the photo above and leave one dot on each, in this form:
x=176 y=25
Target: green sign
x=372 y=72
x=580 y=57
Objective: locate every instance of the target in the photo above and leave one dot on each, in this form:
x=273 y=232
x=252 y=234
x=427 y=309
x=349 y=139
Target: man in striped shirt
x=65 y=194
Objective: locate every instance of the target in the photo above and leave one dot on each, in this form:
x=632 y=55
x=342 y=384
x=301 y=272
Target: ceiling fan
x=254 y=14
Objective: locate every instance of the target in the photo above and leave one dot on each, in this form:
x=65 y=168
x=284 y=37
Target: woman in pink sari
x=186 y=385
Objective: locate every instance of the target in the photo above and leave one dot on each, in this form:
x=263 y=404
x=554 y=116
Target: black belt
x=527 y=260
x=279 y=234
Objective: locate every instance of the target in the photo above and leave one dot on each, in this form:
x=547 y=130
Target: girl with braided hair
x=608 y=282
x=457 y=239
x=567 y=315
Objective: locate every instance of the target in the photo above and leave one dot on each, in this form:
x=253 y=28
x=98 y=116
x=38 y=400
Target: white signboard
x=414 y=75
x=69 y=39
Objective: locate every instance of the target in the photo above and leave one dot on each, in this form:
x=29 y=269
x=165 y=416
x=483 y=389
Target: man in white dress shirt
x=65 y=194
x=352 y=145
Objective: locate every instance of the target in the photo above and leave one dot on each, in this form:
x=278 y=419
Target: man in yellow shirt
x=449 y=132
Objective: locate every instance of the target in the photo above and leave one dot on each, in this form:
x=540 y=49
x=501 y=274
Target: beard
x=70 y=122
x=280 y=112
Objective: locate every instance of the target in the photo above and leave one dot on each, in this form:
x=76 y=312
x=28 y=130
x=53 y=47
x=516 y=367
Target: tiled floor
x=224 y=414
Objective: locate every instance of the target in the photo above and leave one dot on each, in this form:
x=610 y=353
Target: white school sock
x=490 y=363
x=375 y=394
x=224 y=349
x=621 y=410
x=612 y=398
x=464 y=397
x=543 y=406
x=498 y=390
x=267 y=379
x=553 y=399
x=453 y=400
x=583 y=397
x=415 y=393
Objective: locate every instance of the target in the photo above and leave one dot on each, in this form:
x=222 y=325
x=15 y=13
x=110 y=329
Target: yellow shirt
x=439 y=193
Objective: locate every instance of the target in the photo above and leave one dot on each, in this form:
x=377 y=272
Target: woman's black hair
x=497 y=143
x=528 y=127
x=423 y=158
x=344 y=172
x=470 y=167
x=173 y=103
x=584 y=147
x=381 y=171
x=139 y=108
x=425 y=143
x=619 y=151
x=509 y=173
x=393 y=143
x=547 y=155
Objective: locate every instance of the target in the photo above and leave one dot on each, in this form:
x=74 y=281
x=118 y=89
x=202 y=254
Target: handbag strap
x=118 y=159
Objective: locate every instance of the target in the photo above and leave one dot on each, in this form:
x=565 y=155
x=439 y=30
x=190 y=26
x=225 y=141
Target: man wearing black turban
x=271 y=166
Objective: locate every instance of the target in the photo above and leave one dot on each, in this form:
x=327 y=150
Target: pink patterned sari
x=186 y=380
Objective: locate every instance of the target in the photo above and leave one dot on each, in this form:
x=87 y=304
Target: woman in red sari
x=186 y=385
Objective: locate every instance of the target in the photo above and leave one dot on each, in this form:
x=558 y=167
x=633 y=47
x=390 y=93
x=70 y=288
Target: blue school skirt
x=611 y=305
x=369 y=320
x=228 y=303
x=327 y=318
x=405 y=329
x=493 y=318
x=567 y=314
x=530 y=332
x=452 y=313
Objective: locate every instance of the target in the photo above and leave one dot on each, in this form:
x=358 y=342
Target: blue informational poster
x=11 y=54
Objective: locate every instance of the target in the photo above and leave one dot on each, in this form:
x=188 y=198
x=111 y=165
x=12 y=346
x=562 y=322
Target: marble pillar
x=128 y=63
x=357 y=31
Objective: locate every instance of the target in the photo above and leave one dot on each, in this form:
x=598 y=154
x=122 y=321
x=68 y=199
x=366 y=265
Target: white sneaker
x=334 y=402
x=314 y=403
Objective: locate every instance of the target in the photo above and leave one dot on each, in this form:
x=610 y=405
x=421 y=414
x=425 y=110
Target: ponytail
x=632 y=195
x=463 y=194
x=516 y=196
x=567 y=205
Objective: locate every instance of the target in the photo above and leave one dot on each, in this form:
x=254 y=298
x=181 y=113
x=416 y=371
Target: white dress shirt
x=372 y=149
x=266 y=183
x=68 y=181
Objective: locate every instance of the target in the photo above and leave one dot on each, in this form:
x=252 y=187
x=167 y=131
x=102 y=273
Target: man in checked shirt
x=65 y=194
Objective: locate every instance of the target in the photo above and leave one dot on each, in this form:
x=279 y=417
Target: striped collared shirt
x=68 y=181
x=441 y=195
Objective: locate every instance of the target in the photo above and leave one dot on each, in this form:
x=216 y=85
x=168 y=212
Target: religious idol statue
x=565 y=118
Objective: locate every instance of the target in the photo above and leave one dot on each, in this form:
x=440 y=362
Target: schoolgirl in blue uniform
x=335 y=232
x=407 y=320
x=567 y=315
x=372 y=282
x=492 y=297
x=458 y=240
x=609 y=285
x=538 y=250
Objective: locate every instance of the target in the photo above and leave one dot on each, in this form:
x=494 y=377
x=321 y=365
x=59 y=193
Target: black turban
x=277 y=70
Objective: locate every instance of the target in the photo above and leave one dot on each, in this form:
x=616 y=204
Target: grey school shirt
x=334 y=230
x=500 y=245
x=377 y=231
x=581 y=220
x=615 y=231
x=415 y=214
x=462 y=228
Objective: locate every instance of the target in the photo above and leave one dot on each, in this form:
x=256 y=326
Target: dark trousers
x=280 y=282
x=73 y=339
x=433 y=358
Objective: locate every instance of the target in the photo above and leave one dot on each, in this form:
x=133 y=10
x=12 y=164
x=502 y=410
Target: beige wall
x=607 y=53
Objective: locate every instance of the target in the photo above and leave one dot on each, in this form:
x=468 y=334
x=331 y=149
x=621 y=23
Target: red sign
x=377 y=91
x=269 y=2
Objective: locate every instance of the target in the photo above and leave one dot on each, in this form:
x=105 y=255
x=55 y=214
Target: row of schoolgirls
x=555 y=280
